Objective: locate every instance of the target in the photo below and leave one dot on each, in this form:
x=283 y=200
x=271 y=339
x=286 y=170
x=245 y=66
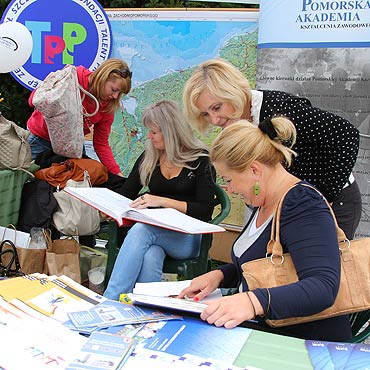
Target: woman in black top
x=217 y=93
x=173 y=172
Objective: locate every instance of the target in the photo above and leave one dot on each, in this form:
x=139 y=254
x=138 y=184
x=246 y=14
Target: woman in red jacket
x=108 y=83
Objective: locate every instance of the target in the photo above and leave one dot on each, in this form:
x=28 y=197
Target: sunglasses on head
x=124 y=73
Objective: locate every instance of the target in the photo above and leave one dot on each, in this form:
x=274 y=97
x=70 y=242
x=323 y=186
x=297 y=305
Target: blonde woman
x=257 y=171
x=218 y=94
x=176 y=171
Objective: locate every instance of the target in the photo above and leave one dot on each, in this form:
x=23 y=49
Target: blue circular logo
x=68 y=32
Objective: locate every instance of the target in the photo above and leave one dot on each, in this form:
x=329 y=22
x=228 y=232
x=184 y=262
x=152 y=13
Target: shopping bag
x=63 y=258
x=59 y=100
x=30 y=247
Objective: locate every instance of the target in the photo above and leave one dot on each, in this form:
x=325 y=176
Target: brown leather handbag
x=58 y=174
x=277 y=269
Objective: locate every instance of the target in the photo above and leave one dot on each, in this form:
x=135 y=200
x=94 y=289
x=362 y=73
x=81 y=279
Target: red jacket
x=102 y=123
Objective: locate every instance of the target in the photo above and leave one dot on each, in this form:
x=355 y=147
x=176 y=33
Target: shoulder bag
x=74 y=217
x=59 y=100
x=15 y=151
x=277 y=269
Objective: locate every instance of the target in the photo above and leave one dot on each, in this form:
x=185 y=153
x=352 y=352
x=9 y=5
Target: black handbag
x=9 y=261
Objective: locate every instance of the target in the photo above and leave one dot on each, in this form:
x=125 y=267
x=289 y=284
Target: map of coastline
x=162 y=56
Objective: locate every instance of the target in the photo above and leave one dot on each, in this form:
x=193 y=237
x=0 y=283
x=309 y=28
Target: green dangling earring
x=256 y=188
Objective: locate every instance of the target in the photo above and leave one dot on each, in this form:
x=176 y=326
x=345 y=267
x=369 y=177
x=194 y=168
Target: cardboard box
x=221 y=245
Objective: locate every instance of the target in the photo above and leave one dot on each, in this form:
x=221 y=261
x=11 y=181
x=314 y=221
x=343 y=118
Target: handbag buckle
x=272 y=259
x=348 y=244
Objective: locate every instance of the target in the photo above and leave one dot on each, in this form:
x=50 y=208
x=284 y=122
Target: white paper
x=169 y=288
x=19 y=238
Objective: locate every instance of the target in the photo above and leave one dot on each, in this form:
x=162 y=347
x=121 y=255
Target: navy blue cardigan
x=308 y=232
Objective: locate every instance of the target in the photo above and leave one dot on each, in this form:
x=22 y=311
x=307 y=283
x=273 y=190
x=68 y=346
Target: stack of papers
x=162 y=294
x=113 y=313
x=103 y=351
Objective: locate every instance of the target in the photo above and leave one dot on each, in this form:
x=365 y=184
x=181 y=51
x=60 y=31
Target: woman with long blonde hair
x=175 y=172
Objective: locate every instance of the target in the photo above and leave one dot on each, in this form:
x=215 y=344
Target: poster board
x=322 y=52
x=162 y=47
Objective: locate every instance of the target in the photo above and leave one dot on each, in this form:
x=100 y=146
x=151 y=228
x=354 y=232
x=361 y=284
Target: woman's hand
x=147 y=200
x=229 y=311
x=202 y=285
x=104 y=217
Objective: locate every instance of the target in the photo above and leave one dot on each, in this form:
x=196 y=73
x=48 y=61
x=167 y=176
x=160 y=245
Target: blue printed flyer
x=187 y=336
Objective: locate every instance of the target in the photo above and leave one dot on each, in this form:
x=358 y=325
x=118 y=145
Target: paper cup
x=96 y=279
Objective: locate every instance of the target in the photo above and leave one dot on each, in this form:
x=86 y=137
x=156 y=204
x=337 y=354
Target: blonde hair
x=222 y=80
x=181 y=145
x=108 y=71
x=242 y=143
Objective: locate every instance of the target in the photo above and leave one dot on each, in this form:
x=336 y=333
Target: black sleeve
x=132 y=185
x=202 y=206
x=327 y=144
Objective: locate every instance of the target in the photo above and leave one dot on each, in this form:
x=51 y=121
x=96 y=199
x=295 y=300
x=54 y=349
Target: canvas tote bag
x=74 y=217
x=59 y=100
x=277 y=269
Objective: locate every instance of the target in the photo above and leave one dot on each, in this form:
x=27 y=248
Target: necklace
x=163 y=161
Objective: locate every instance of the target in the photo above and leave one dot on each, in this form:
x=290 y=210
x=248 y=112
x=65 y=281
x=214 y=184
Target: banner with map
x=321 y=50
x=162 y=47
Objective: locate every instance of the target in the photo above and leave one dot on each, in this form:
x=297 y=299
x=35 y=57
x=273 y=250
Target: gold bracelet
x=254 y=310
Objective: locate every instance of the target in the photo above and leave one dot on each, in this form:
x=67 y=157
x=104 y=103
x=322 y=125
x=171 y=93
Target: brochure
x=51 y=297
x=118 y=207
x=319 y=354
x=359 y=358
x=184 y=305
x=29 y=343
x=338 y=356
x=188 y=336
x=103 y=351
x=169 y=289
x=112 y=313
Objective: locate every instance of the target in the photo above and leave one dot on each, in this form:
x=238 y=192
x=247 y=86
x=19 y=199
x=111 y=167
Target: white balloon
x=15 y=45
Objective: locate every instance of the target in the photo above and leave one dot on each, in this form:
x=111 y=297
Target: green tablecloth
x=274 y=352
x=11 y=184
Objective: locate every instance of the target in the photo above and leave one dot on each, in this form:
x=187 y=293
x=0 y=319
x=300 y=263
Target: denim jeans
x=142 y=253
x=38 y=145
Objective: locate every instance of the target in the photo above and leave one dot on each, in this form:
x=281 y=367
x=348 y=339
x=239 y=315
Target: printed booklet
x=112 y=313
x=118 y=207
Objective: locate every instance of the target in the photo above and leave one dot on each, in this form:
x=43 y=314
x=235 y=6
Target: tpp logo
x=70 y=32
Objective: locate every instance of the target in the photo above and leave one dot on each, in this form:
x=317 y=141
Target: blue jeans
x=38 y=145
x=142 y=253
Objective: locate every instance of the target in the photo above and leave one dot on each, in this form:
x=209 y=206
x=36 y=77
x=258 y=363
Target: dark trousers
x=347 y=208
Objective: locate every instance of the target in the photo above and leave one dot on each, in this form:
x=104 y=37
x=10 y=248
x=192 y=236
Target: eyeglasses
x=124 y=73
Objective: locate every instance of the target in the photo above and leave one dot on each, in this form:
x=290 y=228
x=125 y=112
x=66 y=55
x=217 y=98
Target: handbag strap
x=85 y=92
x=17 y=169
x=6 y=270
x=274 y=247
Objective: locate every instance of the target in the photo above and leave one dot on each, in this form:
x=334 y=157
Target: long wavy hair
x=181 y=145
